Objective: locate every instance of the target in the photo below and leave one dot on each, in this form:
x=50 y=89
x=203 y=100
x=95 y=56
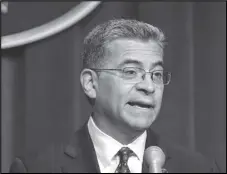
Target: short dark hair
x=94 y=43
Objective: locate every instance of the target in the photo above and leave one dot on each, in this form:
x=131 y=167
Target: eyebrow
x=159 y=63
x=136 y=62
x=130 y=61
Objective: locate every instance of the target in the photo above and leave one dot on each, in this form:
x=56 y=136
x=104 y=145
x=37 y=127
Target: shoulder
x=45 y=160
x=51 y=159
x=182 y=159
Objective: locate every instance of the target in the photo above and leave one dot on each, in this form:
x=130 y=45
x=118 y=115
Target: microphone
x=154 y=158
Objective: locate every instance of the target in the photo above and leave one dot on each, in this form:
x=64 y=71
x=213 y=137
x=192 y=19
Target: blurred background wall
x=42 y=101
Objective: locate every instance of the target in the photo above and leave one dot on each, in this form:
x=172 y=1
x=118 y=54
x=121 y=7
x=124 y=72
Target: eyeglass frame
x=143 y=74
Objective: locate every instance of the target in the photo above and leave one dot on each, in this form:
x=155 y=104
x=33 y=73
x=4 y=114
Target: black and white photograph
x=113 y=87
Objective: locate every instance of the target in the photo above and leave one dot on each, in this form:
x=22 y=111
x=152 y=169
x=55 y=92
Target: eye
x=129 y=71
x=158 y=74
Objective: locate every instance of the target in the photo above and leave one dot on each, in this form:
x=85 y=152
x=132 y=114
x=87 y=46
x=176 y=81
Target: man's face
x=131 y=105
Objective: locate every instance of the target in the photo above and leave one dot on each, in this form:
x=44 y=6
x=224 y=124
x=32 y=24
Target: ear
x=88 y=80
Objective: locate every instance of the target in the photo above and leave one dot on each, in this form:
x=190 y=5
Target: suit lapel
x=81 y=153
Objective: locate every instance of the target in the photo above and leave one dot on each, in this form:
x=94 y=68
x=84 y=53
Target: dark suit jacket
x=79 y=156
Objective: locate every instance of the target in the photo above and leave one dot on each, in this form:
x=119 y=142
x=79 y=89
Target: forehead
x=129 y=51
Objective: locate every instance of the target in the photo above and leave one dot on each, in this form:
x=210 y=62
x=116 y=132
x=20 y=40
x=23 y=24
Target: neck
x=122 y=133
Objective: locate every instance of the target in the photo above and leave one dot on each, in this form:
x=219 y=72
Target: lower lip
x=137 y=107
x=140 y=107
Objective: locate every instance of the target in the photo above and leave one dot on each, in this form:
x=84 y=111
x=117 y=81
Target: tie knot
x=124 y=154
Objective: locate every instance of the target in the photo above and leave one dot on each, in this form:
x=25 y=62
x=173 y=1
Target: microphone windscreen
x=154 y=155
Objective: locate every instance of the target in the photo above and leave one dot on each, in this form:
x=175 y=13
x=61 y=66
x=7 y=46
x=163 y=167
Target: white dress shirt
x=107 y=147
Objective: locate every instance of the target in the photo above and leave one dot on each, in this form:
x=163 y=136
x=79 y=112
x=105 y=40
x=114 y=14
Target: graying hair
x=95 y=42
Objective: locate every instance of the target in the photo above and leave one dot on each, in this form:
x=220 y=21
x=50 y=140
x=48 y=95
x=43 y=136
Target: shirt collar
x=106 y=147
x=138 y=145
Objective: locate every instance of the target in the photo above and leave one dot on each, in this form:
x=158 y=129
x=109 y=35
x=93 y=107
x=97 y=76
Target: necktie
x=124 y=153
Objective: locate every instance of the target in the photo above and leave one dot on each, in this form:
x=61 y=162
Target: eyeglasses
x=136 y=75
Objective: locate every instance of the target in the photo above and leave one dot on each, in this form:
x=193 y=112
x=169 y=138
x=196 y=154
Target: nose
x=147 y=85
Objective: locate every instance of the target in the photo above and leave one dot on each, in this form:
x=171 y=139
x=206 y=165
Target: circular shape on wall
x=53 y=27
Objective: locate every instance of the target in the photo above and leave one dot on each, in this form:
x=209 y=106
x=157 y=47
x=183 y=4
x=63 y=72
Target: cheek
x=159 y=95
x=113 y=92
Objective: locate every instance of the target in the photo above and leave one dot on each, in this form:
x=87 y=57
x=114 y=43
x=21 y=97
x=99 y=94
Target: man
x=123 y=78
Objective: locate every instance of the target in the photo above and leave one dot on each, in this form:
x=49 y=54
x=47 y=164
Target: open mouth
x=140 y=105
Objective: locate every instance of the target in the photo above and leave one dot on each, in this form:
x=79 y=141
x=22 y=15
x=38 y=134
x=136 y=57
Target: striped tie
x=124 y=153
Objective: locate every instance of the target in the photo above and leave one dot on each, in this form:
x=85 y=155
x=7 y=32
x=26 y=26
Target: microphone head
x=154 y=155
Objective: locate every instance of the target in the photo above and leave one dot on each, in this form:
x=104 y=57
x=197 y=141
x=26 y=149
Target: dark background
x=42 y=101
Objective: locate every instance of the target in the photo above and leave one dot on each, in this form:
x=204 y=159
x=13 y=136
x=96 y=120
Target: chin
x=138 y=122
x=141 y=125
